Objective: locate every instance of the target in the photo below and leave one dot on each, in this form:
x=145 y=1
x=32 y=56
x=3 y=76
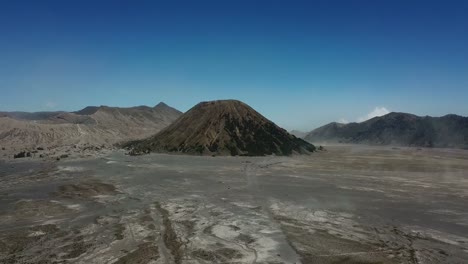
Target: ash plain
x=348 y=204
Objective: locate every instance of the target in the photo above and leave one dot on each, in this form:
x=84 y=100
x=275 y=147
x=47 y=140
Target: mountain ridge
x=395 y=128
x=92 y=125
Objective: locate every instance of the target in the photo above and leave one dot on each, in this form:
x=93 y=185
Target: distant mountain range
x=93 y=125
x=224 y=127
x=450 y=131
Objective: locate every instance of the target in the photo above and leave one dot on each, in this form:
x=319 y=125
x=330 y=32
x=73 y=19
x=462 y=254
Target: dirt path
x=251 y=171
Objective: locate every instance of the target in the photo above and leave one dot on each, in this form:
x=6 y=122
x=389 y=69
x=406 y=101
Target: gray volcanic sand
x=348 y=204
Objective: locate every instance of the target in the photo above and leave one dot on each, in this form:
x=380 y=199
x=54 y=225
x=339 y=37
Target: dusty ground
x=349 y=204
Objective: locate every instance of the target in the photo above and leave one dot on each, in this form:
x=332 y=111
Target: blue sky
x=300 y=63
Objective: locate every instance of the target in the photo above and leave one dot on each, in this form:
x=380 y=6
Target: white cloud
x=378 y=111
x=343 y=121
x=50 y=105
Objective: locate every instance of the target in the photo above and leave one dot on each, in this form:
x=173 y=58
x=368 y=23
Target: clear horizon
x=300 y=64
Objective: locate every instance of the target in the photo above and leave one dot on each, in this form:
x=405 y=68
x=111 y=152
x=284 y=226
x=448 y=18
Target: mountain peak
x=222 y=102
x=223 y=127
x=89 y=110
x=161 y=105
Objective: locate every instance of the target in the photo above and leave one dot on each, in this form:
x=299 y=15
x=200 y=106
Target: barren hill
x=398 y=129
x=91 y=126
x=224 y=127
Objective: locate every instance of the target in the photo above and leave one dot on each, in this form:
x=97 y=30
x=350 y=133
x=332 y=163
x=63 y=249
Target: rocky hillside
x=225 y=127
x=91 y=126
x=400 y=129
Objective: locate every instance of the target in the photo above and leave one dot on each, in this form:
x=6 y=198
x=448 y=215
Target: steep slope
x=224 y=127
x=298 y=134
x=91 y=126
x=398 y=129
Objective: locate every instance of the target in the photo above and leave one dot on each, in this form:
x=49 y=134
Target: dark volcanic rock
x=225 y=127
x=398 y=129
x=20 y=155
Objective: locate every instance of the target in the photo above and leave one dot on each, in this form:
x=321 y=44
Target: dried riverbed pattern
x=168 y=209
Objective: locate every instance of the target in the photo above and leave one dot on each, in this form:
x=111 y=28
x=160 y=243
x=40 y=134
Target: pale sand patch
x=36 y=234
x=225 y=232
x=70 y=168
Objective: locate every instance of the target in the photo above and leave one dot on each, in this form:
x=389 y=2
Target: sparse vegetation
x=225 y=127
x=22 y=154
